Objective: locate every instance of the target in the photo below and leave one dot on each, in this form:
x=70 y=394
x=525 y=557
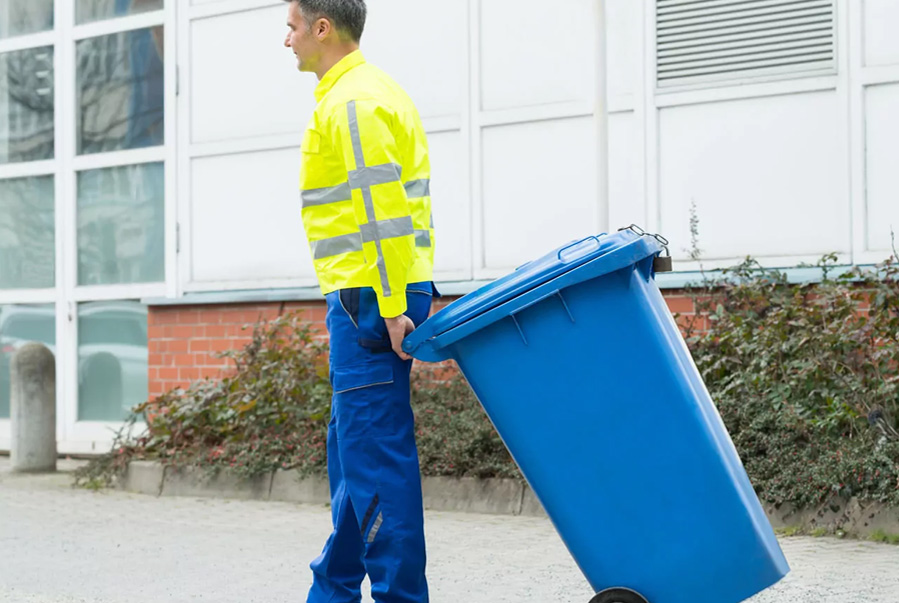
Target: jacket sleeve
x=371 y=154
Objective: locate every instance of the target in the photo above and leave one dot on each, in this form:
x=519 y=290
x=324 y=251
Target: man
x=367 y=214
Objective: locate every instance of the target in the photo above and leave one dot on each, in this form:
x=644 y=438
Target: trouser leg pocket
x=368 y=402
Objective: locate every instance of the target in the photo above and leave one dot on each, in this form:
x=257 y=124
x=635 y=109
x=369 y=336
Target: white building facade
x=149 y=152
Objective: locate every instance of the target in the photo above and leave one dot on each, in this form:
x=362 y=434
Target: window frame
x=75 y=436
x=83 y=432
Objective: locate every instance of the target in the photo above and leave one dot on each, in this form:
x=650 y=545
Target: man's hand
x=398 y=327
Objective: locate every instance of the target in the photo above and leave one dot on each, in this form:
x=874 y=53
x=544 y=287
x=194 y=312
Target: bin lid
x=524 y=278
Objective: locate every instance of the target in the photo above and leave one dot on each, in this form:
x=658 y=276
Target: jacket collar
x=350 y=61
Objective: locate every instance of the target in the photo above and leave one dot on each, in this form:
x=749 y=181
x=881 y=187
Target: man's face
x=301 y=39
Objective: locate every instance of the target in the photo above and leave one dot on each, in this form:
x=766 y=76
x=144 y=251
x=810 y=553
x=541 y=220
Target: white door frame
x=96 y=436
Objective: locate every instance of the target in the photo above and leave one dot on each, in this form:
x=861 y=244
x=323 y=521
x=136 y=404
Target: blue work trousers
x=376 y=501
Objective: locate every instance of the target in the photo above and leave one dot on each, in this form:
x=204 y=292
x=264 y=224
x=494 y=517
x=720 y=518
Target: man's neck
x=333 y=58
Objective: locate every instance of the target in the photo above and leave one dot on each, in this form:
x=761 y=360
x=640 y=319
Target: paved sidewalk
x=59 y=545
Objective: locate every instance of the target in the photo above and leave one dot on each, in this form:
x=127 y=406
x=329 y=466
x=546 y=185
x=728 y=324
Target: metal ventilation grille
x=710 y=40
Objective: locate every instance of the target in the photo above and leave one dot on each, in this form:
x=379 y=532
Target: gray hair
x=347 y=16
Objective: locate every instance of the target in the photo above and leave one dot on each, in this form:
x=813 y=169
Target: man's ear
x=322 y=28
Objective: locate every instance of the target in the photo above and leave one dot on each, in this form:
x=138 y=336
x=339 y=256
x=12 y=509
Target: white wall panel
x=450 y=203
x=626 y=204
x=244 y=82
x=430 y=58
x=768 y=176
x=623 y=52
x=539 y=188
x=245 y=218
x=881 y=32
x=535 y=53
x=882 y=148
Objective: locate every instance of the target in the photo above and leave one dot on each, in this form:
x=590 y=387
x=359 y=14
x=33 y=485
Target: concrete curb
x=143 y=477
x=530 y=506
x=192 y=481
x=288 y=486
x=471 y=495
x=468 y=495
x=839 y=515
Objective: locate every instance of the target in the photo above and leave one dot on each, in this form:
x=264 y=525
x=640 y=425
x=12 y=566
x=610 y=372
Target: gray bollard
x=33 y=396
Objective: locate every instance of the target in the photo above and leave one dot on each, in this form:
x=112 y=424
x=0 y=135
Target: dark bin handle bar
x=637 y=230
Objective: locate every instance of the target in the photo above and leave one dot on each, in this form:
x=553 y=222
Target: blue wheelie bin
x=580 y=366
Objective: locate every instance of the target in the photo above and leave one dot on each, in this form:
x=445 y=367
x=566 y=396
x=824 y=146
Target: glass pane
x=112 y=359
x=120 y=91
x=121 y=225
x=27 y=227
x=19 y=17
x=95 y=10
x=18 y=326
x=26 y=105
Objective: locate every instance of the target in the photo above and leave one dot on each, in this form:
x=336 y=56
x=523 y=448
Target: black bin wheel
x=618 y=595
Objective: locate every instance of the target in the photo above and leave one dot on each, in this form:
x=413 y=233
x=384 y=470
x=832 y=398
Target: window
x=701 y=41
x=82 y=214
x=112 y=359
x=121 y=225
x=119 y=201
x=20 y=17
x=27 y=242
x=26 y=105
x=21 y=324
x=120 y=91
x=95 y=10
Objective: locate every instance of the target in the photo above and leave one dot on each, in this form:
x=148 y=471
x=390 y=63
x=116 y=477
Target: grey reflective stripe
x=432 y=220
x=330 y=194
x=366 y=194
x=374 y=175
x=375 y=527
x=418 y=188
x=368 y=512
x=354 y=134
x=422 y=238
x=387 y=229
x=377 y=232
x=325 y=248
x=382 y=267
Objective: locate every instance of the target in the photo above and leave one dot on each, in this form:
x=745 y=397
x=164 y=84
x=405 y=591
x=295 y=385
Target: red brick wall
x=183 y=340
x=681 y=305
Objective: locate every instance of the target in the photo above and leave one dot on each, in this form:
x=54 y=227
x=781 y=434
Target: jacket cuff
x=393 y=306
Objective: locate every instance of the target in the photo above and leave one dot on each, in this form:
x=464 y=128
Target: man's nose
x=287 y=41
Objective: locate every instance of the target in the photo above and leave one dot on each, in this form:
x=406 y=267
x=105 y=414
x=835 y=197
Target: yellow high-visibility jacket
x=365 y=183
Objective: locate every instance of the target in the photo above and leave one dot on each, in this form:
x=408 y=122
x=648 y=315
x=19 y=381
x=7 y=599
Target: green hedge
x=805 y=378
x=273 y=414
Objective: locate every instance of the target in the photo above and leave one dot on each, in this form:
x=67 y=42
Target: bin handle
x=596 y=245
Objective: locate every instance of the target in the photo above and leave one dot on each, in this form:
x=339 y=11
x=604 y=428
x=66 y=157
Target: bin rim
x=623 y=249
